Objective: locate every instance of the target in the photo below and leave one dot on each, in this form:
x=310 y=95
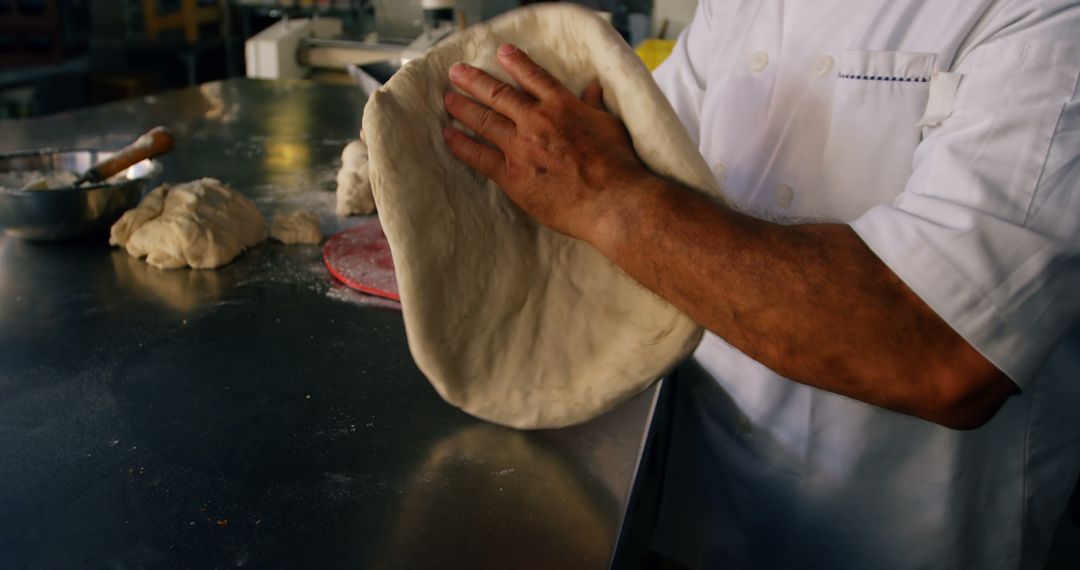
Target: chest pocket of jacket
x=878 y=98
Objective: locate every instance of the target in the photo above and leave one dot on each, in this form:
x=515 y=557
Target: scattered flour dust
x=311 y=274
x=340 y=292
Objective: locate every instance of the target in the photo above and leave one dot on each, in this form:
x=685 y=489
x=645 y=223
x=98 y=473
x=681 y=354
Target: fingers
x=532 y=78
x=593 y=95
x=497 y=95
x=483 y=158
x=485 y=122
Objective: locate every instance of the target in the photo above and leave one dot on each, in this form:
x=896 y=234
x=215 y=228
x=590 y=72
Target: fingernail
x=457 y=70
x=447 y=133
x=448 y=98
x=507 y=49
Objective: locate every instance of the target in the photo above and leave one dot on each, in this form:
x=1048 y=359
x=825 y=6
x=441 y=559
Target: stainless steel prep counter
x=260 y=415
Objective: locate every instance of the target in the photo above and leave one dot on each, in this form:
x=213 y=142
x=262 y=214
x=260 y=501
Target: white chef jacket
x=947 y=134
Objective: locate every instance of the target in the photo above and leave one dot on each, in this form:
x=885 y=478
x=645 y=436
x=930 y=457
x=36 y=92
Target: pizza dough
x=301 y=226
x=353 y=187
x=201 y=224
x=510 y=321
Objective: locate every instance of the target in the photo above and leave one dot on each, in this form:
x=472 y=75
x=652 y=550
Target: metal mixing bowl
x=68 y=212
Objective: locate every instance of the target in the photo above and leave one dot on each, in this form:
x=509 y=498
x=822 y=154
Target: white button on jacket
x=784 y=195
x=759 y=60
x=823 y=65
x=978 y=212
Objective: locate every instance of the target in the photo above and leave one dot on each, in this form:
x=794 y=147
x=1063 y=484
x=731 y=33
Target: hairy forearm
x=812 y=302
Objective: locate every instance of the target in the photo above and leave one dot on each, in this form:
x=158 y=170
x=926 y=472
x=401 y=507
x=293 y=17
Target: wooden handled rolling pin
x=155 y=142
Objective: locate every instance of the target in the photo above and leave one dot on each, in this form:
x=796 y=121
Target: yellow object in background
x=653 y=52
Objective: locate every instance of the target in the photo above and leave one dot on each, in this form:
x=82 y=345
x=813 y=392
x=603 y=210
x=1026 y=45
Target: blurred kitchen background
x=58 y=55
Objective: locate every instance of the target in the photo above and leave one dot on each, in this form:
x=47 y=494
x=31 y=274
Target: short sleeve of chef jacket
x=987 y=229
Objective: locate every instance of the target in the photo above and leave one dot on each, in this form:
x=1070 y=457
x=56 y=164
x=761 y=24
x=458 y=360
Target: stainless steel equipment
x=405 y=19
x=296 y=48
x=68 y=212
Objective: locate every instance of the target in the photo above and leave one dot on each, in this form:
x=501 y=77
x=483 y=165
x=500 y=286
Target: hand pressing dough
x=510 y=321
x=301 y=226
x=354 y=187
x=201 y=224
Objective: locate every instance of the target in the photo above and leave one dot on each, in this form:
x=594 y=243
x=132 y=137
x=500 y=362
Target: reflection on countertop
x=260 y=414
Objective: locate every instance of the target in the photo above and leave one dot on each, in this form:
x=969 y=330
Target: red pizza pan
x=360 y=258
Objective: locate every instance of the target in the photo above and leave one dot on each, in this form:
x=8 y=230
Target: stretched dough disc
x=510 y=321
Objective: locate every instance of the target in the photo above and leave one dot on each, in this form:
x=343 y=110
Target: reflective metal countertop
x=260 y=415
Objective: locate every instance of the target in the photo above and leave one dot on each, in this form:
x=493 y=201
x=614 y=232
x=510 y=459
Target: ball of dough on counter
x=353 y=183
x=509 y=320
x=301 y=226
x=201 y=224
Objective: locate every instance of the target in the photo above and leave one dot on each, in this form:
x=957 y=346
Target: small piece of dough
x=510 y=321
x=201 y=224
x=353 y=183
x=301 y=226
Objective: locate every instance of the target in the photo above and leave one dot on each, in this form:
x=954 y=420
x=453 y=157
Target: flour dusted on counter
x=201 y=224
x=38 y=179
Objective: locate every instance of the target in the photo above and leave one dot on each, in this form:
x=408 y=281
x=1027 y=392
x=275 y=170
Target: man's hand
x=558 y=157
x=812 y=302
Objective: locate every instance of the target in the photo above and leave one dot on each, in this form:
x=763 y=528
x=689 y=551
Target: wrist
x=624 y=212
